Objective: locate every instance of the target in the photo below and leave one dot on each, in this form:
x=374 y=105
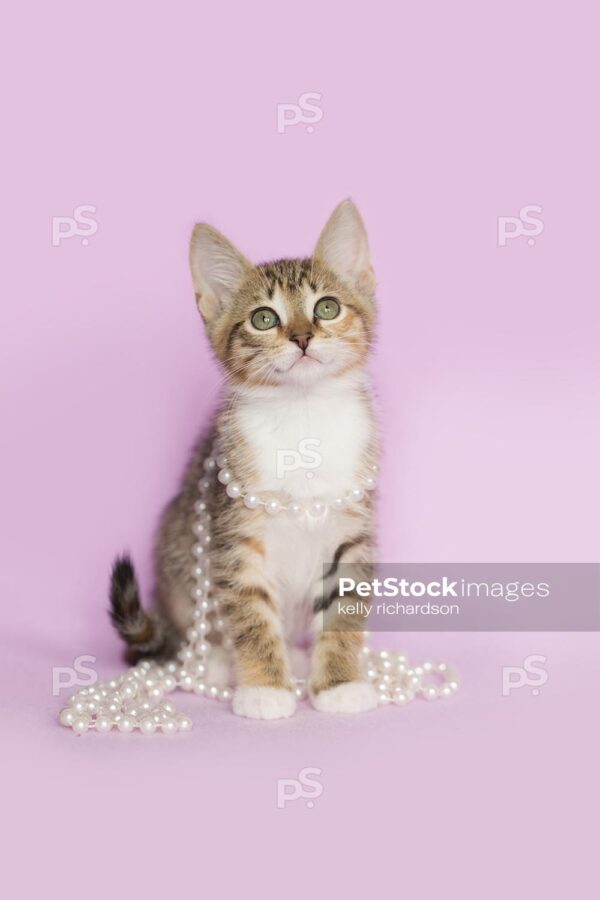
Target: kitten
x=293 y=338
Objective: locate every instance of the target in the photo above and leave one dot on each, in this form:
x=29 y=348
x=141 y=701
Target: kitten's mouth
x=303 y=361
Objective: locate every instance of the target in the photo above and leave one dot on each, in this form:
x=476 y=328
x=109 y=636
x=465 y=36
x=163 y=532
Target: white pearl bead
x=221 y=461
x=126 y=724
x=148 y=726
x=103 y=724
x=272 y=506
x=296 y=509
x=202 y=648
x=339 y=503
x=198 y=550
x=355 y=495
x=80 y=724
x=234 y=490
x=184 y=723
x=213 y=691
x=210 y=464
x=198 y=572
x=187 y=683
x=252 y=501
x=225 y=695
x=198 y=528
x=317 y=508
x=200 y=687
x=430 y=692
x=67 y=716
x=370 y=482
x=225 y=476
x=168 y=727
x=199 y=507
x=197 y=593
x=401 y=698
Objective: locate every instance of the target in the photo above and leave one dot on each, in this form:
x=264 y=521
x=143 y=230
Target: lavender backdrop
x=437 y=118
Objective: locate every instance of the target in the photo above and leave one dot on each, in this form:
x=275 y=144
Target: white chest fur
x=311 y=445
x=307 y=443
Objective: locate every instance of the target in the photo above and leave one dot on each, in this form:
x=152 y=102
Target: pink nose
x=302 y=340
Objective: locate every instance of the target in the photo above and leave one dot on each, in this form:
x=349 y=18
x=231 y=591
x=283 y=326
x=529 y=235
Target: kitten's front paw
x=352 y=697
x=264 y=703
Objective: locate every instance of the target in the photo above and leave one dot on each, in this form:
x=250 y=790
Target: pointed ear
x=344 y=247
x=217 y=270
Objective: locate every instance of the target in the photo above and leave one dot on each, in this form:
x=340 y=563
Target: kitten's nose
x=302 y=340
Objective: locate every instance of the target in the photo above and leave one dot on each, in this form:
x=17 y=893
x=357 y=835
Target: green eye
x=264 y=318
x=327 y=308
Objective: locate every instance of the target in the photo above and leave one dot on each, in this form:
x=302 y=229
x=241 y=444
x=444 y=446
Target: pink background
x=437 y=119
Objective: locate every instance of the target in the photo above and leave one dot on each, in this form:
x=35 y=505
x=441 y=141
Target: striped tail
x=146 y=634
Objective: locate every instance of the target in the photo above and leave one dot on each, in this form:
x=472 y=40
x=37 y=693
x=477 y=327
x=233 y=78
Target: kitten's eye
x=264 y=318
x=327 y=308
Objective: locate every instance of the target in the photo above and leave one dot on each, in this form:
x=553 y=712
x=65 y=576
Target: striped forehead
x=289 y=289
x=290 y=306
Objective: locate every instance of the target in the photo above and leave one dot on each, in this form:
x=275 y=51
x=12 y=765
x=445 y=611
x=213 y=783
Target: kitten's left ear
x=344 y=247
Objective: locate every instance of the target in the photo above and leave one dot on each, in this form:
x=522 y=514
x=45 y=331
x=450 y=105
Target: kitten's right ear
x=217 y=270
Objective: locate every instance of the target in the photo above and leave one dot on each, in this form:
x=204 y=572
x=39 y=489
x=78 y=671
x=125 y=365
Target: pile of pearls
x=137 y=699
x=398 y=682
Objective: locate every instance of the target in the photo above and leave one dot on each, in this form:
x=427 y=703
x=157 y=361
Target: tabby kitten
x=293 y=338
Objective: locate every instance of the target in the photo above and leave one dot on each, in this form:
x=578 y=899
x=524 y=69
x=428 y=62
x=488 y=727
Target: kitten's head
x=294 y=321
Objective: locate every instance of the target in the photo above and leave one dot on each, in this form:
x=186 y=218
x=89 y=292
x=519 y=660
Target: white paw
x=352 y=697
x=263 y=703
x=219 y=667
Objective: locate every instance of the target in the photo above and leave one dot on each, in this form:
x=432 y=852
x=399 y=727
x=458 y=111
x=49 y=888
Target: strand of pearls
x=216 y=462
x=137 y=699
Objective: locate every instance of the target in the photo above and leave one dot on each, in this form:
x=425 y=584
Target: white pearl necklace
x=216 y=462
x=136 y=700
